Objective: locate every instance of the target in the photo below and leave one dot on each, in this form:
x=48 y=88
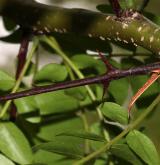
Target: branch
x=43 y=19
x=22 y=53
x=19 y=80
x=21 y=61
x=112 y=75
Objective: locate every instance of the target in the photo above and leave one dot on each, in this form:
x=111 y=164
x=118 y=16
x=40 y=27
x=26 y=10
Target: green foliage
x=122 y=150
x=115 y=112
x=86 y=62
x=51 y=103
x=5 y=160
x=84 y=135
x=119 y=90
x=14 y=144
x=143 y=147
x=71 y=125
x=6 y=81
x=52 y=72
x=62 y=146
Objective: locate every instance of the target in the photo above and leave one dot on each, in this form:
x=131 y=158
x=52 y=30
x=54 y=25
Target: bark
x=131 y=27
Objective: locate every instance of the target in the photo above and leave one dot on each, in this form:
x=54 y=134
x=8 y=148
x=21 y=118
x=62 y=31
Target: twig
x=18 y=82
x=22 y=53
x=21 y=61
x=113 y=75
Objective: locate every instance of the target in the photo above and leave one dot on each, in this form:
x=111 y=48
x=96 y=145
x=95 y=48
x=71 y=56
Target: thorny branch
x=112 y=75
x=130 y=27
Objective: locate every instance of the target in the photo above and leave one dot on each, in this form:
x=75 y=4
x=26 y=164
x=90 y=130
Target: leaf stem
x=122 y=134
x=19 y=80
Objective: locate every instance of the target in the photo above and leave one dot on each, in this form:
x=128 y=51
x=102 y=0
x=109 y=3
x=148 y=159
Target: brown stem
x=113 y=75
x=21 y=61
x=22 y=53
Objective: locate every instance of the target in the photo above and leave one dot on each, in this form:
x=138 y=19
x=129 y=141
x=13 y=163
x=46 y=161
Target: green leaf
x=115 y=112
x=84 y=135
x=79 y=92
x=5 y=161
x=119 y=90
x=122 y=150
x=50 y=128
x=6 y=81
x=28 y=108
x=143 y=147
x=26 y=104
x=14 y=144
x=101 y=161
x=62 y=146
x=42 y=157
x=55 y=102
x=96 y=128
x=83 y=61
x=52 y=72
x=104 y=8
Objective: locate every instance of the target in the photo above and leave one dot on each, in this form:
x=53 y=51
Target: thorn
x=155 y=75
x=109 y=69
x=105 y=61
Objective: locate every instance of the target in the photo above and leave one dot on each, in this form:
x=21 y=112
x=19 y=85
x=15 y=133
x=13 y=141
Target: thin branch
x=18 y=82
x=113 y=75
x=21 y=61
x=22 y=53
x=38 y=18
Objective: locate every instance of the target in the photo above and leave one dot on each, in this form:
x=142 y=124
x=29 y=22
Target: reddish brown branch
x=113 y=75
x=21 y=61
x=22 y=53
